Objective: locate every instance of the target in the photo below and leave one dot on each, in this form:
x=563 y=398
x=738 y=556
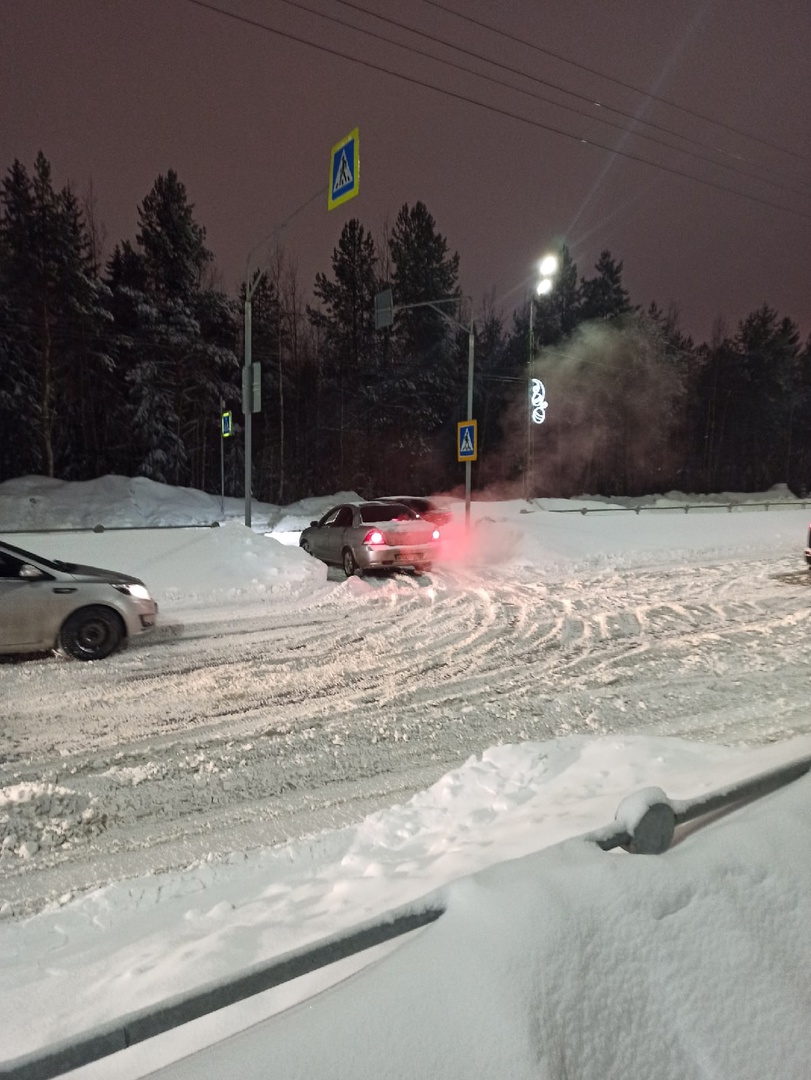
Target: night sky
x=115 y=92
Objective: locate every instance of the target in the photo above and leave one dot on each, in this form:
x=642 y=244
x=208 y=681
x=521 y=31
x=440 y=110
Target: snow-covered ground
x=292 y=753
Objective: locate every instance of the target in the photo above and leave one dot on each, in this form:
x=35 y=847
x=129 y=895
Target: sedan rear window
x=393 y=512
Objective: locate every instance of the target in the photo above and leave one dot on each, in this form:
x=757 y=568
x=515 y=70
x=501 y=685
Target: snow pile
x=41 y=817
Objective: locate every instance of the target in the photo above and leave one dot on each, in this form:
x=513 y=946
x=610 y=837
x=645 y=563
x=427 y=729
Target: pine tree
x=767 y=349
x=181 y=341
x=57 y=321
x=350 y=354
x=424 y=387
x=604 y=296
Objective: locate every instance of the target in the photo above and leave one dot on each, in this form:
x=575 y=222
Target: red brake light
x=374 y=536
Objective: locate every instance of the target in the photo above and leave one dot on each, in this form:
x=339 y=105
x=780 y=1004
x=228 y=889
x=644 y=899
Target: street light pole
x=251 y=378
x=528 y=448
x=247 y=404
x=547 y=268
x=471 y=344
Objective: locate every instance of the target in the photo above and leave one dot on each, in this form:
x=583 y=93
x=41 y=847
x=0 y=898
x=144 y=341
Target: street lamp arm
x=274 y=235
x=439 y=311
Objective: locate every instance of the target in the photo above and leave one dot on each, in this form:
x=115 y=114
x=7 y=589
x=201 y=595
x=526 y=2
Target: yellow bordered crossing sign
x=344 y=170
x=466 y=442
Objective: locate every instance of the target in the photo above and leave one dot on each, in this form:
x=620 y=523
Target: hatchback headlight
x=140 y=592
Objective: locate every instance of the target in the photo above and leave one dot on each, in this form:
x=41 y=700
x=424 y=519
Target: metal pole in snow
x=247 y=403
x=222 y=463
x=471 y=343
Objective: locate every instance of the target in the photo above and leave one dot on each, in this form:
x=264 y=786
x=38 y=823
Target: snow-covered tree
x=176 y=340
x=55 y=318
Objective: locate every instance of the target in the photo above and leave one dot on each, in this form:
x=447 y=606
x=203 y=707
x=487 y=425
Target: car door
x=24 y=603
x=335 y=534
x=319 y=535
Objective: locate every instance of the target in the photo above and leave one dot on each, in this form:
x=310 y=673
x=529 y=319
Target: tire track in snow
x=373 y=681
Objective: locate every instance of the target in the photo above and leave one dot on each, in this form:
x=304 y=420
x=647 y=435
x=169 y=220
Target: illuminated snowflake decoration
x=538 y=401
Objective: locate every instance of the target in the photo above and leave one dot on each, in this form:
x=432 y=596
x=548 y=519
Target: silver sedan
x=82 y=610
x=372 y=536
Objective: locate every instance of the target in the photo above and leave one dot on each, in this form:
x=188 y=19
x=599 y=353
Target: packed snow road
x=207 y=738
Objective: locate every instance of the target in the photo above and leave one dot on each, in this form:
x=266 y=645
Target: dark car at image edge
x=84 y=611
x=430 y=509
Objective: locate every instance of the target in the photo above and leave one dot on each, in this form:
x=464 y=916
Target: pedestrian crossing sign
x=466 y=443
x=344 y=171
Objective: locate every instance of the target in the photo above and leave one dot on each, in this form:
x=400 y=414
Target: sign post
x=226 y=429
x=344 y=184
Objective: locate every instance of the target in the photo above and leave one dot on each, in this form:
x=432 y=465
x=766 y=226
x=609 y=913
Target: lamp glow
x=549 y=265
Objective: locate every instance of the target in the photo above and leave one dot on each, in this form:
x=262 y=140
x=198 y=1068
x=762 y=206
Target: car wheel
x=305 y=547
x=350 y=566
x=91 y=633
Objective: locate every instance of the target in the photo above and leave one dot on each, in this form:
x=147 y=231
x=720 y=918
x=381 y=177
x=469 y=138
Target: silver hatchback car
x=372 y=536
x=82 y=610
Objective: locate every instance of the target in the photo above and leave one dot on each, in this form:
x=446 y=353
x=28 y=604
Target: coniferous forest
x=121 y=362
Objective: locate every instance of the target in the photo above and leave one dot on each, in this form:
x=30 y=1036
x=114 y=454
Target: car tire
x=350 y=565
x=305 y=547
x=91 y=633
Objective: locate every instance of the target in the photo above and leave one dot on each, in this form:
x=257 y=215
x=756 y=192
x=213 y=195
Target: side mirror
x=314 y=524
x=29 y=572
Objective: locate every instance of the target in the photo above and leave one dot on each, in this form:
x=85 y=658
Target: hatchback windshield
x=28 y=556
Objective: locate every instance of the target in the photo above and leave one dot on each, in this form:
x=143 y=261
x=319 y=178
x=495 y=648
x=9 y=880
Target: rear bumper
x=380 y=558
x=808 y=555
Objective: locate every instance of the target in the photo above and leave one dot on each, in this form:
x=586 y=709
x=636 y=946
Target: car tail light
x=435 y=534
x=374 y=536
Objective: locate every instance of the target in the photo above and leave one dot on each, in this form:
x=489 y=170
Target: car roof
x=406 y=499
x=359 y=505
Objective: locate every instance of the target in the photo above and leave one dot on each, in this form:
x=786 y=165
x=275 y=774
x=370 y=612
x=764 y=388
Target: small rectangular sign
x=466 y=441
x=227 y=429
x=344 y=171
x=384 y=309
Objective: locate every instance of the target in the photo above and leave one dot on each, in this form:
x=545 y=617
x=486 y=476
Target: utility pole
x=528 y=447
x=251 y=392
x=536 y=409
x=252 y=373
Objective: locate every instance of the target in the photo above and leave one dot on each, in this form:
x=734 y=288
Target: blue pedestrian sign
x=466 y=443
x=226 y=425
x=344 y=170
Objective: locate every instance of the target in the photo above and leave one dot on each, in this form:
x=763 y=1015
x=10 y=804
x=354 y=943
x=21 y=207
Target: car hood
x=95 y=573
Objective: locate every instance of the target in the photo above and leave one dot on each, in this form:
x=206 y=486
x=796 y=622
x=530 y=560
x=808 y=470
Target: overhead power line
x=498 y=110
x=636 y=120
x=618 y=82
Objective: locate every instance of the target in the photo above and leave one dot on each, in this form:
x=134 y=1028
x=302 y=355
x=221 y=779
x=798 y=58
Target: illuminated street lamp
x=536 y=413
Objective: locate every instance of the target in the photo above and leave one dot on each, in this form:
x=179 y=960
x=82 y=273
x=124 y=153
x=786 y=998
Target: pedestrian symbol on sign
x=343 y=176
